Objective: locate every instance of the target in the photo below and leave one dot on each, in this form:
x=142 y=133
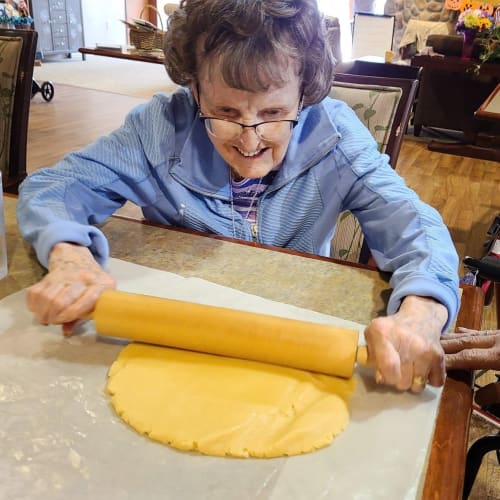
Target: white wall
x=332 y=8
x=102 y=22
x=340 y=9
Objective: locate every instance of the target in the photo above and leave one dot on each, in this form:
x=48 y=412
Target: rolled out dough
x=226 y=407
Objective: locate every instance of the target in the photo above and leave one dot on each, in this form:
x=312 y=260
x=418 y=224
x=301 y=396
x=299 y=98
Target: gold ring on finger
x=418 y=380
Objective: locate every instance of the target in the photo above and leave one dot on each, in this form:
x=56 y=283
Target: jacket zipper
x=254 y=228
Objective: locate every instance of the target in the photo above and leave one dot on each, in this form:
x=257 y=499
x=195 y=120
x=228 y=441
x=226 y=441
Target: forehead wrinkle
x=246 y=103
x=250 y=71
x=217 y=93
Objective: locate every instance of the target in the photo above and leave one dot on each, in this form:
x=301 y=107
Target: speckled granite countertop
x=318 y=284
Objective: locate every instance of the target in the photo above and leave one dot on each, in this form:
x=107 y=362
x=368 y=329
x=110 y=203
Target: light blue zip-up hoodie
x=162 y=160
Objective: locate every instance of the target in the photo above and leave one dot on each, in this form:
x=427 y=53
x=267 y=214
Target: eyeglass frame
x=204 y=118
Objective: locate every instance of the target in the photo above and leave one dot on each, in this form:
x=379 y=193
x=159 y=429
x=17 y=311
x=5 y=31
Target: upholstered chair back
x=10 y=54
x=16 y=82
x=375 y=106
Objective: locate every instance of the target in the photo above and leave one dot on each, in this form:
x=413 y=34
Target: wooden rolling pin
x=228 y=332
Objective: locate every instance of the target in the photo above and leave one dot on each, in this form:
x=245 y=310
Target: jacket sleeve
x=66 y=201
x=406 y=236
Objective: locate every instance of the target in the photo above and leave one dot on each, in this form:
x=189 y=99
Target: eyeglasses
x=228 y=130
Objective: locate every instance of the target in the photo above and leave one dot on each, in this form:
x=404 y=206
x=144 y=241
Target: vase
x=468 y=44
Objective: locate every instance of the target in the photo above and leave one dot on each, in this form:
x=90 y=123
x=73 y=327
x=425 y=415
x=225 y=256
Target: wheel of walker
x=47 y=90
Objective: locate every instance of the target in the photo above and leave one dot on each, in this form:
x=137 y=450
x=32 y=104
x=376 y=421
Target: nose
x=249 y=139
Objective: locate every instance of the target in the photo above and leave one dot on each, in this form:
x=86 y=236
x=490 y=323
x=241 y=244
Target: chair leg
x=474 y=458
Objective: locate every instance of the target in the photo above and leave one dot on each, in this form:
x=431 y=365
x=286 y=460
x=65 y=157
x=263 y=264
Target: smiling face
x=248 y=155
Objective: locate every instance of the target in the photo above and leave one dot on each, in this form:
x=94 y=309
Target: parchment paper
x=60 y=438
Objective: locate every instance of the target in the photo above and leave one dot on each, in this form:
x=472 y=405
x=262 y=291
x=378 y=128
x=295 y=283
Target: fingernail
x=67 y=330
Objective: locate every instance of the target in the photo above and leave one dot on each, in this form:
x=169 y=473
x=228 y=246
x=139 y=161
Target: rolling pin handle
x=362 y=355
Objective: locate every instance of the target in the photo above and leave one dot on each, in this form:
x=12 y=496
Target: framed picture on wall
x=372 y=35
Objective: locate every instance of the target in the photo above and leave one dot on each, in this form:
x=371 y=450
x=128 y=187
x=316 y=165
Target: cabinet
x=59 y=26
x=450 y=92
x=449 y=96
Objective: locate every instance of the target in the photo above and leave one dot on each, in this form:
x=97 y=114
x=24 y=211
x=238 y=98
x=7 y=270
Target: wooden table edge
x=117 y=54
x=483 y=112
x=446 y=465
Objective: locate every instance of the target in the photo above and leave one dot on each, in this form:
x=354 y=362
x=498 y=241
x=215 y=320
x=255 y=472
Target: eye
x=226 y=111
x=273 y=112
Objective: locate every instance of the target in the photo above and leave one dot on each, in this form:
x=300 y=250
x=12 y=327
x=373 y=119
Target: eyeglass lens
x=228 y=130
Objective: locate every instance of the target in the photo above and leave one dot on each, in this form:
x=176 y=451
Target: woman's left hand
x=405 y=347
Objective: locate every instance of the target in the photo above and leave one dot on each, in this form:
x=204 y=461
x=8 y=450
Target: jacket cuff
x=72 y=232
x=444 y=294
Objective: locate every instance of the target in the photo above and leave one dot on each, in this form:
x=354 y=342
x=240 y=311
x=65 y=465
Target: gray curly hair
x=254 y=41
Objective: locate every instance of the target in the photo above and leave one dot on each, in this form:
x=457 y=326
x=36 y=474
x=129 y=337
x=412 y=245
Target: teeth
x=249 y=153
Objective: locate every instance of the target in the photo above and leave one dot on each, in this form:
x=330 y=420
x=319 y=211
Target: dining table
x=60 y=437
x=128 y=53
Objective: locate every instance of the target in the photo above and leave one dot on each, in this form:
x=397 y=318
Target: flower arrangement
x=474 y=19
x=480 y=24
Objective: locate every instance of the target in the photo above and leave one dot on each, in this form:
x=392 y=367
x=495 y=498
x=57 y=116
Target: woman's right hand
x=70 y=289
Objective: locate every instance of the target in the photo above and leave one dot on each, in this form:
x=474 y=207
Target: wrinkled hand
x=70 y=289
x=472 y=350
x=405 y=349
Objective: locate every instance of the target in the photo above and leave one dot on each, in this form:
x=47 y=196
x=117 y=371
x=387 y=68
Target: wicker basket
x=147 y=40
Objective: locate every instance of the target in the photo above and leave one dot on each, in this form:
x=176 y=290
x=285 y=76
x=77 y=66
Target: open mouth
x=251 y=154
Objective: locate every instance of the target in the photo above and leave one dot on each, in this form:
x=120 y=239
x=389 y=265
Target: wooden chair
x=385 y=70
x=16 y=75
x=410 y=95
x=384 y=105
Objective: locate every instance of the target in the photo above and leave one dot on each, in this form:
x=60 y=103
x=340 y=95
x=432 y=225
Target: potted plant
x=472 y=23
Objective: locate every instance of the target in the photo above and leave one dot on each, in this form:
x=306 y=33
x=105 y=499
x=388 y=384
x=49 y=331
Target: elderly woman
x=248 y=147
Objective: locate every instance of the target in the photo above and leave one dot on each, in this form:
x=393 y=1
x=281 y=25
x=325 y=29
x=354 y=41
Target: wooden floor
x=74 y=118
x=464 y=190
